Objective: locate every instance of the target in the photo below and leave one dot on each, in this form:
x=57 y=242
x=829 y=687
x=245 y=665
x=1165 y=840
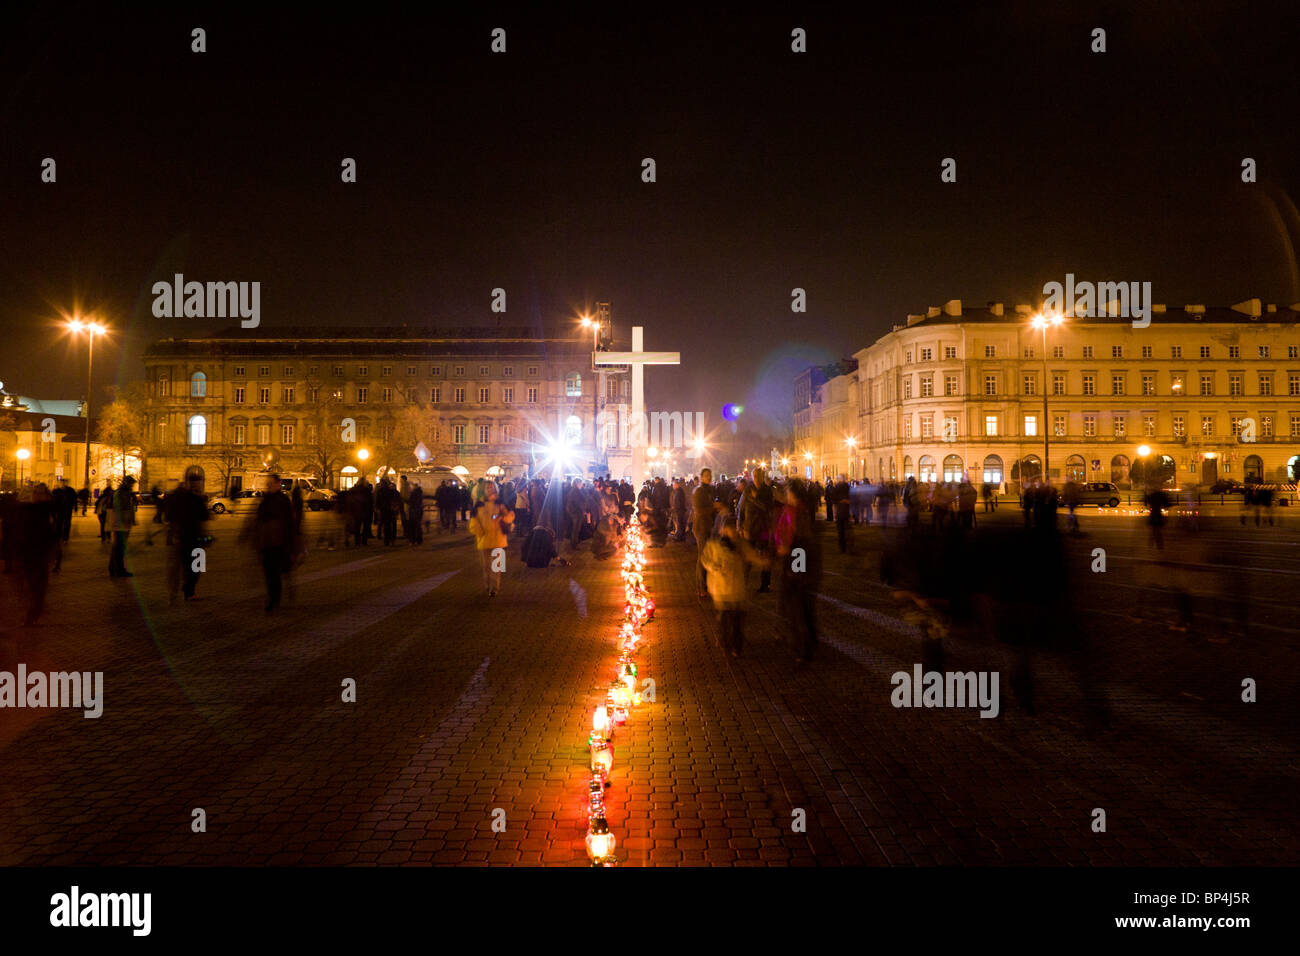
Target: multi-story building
x=1199 y=394
x=814 y=405
x=43 y=440
x=342 y=402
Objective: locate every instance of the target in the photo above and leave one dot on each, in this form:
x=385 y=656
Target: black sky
x=522 y=170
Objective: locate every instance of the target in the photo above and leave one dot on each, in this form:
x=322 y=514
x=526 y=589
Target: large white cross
x=638 y=359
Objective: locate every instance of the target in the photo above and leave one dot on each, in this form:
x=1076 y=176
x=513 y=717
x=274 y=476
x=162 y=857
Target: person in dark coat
x=415 y=515
x=38 y=540
x=275 y=537
x=186 y=512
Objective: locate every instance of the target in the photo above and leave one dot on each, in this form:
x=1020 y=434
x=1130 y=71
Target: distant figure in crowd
x=726 y=559
x=186 y=511
x=121 y=519
x=275 y=537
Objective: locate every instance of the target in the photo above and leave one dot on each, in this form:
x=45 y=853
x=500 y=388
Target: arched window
x=198 y=386
x=952 y=468
x=573 y=385
x=1119 y=471
x=573 y=430
x=927 y=469
x=1076 y=469
x=907 y=467
x=993 y=470
x=1032 y=469
x=1254 y=469
x=197 y=430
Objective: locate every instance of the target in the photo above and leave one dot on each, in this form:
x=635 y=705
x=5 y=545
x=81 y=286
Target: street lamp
x=23 y=454
x=76 y=326
x=1041 y=322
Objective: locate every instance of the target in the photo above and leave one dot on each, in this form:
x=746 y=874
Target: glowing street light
x=1041 y=322
x=23 y=454
x=76 y=326
x=1144 y=450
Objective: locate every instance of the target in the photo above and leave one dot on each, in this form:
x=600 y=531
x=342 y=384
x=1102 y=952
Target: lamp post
x=77 y=326
x=1041 y=322
x=22 y=454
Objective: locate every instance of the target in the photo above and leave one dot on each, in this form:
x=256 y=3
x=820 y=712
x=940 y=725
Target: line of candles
x=620 y=698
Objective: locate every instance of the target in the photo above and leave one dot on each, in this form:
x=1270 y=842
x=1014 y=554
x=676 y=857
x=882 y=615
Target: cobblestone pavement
x=466 y=704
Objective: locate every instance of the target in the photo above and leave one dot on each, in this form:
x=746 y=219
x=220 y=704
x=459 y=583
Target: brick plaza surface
x=466 y=704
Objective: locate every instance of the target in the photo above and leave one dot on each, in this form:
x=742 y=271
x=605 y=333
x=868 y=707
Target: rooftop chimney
x=1025 y=309
x=996 y=308
x=952 y=307
x=1249 y=307
x=912 y=319
x=933 y=311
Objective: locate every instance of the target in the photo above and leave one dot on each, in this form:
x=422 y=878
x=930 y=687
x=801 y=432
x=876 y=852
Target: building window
x=950 y=384
x=1180 y=427
x=1148 y=384
x=990 y=351
x=385 y=371
x=458 y=434
x=198 y=386
x=1263 y=351
x=1029 y=385
x=508 y=371
x=1266 y=384
x=459 y=395
x=907 y=357
x=1234 y=351
x=336 y=394
x=572 y=430
x=1293 y=351
x=1058 y=351
x=1266 y=426
x=197 y=430
x=532 y=394
x=435 y=371
x=1117 y=351
x=483 y=434
x=363 y=394
x=364 y=370
x=458 y=371
x=264 y=395
x=573 y=386
x=907 y=386
x=950 y=432
x=1234 y=385
x=240 y=433
x=410 y=371
x=264 y=370
x=338 y=371
x=907 y=427
x=927 y=386
x=239 y=371
x=1234 y=426
x=927 y=426
x=1146 y=351
x=1207 y=425
x=1058 y=426
x=990 y=384
x=1121 y=425
x=239 y=394
x=1148 y=425
x=1031 y=426
x=1058 y=384
x=264 y=434
x=1293 y=384
x=1205 y=351
x=1295 y=426
x=386 y=394
x=286 y=395
x=313 y=394
x=1029 y=351
x=532 y=371
x=1207 y=384
x=1117 y=384
x=1176 y=351
x=1090 y=385
x=286 y=434
x=435 y=395
x=482 y=371
x=927 y=354
x=483 y=396
x=950 y=351
x=508 y=394
x=990 y=426
x=1089 y=426
x=1176 y=385
x=1087 y=351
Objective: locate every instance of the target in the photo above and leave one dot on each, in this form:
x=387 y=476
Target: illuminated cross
x=638 y=359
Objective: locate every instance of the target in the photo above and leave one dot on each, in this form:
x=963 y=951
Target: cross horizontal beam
x=638 y=358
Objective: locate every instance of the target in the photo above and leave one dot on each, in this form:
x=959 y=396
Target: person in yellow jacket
x=491 y=528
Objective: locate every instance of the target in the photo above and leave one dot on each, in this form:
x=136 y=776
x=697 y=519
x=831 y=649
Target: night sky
x=523 y=170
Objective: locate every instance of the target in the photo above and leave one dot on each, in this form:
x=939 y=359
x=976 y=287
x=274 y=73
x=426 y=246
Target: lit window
x=1031 y=426
x=990 y=425
x=573 y=386
x=197 y=430
x=198 y=386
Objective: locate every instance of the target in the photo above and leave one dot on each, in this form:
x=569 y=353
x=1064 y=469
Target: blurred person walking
x=490 y=527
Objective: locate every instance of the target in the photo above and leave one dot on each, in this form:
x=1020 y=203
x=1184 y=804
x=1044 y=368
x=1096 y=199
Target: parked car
x=241 y=502
x=1227 y=486
x=1100 y=493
